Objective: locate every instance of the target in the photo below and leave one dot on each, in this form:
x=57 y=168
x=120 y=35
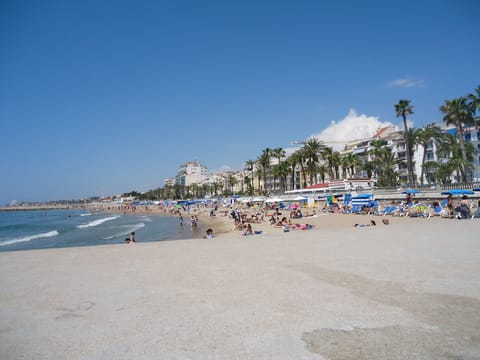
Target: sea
x=37 y=229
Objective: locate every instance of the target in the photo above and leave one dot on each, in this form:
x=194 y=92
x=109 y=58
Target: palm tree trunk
x=461 y=141
x=409 y=155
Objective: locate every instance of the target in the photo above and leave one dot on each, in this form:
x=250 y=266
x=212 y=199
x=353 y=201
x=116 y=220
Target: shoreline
x=223 y=225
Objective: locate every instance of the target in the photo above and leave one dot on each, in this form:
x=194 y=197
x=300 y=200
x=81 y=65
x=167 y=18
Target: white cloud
x=351 y=127
x=407 y=82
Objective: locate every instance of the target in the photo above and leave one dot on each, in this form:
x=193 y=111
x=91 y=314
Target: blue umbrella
x=362 y=196
x=411 y=191
x=458 y=192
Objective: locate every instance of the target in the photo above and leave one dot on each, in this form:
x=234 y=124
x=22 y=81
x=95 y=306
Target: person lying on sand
x=372 y=223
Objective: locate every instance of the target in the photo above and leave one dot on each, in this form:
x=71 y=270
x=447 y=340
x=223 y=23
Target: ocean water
x=22 y=230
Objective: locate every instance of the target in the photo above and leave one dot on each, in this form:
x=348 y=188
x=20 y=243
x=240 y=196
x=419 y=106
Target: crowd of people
x=289 y=217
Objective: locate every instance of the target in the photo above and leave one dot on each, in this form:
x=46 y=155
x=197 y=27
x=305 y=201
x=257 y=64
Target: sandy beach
x=408 y=290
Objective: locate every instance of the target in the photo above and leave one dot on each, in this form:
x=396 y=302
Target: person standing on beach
x=450 y=206
x=193 y=222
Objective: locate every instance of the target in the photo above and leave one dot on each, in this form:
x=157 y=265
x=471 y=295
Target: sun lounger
x=389 y=210
x=438 y=211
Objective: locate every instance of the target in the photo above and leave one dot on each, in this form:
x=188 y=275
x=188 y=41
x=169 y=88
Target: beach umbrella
x=411 y=191
x=274 y=200
x=300 y=198
x=458 y=192
x=293 y=206
x=362 y=196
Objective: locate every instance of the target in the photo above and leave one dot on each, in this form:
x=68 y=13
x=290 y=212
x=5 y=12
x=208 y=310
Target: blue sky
x=105 y=97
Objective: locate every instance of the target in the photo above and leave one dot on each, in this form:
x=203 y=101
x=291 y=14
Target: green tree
x=449 y=148
x=458 y=112
x=231 y=182
x=263 y=162
x=337 y=162
x=387 y=163
x=423 y=137
x=250 y=166
x=370 y=168
x=293 y=160
x=322 y=171
x=403 y=109
x=444 y=173
x=299 y=157
x=279 y=154
x=281 y=172
x=328 y=156
x=430 y=168
x=474 y=101
x=312 y=149
x=350 y=162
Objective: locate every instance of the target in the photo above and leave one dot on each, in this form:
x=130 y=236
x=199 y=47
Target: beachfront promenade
x=408 y=290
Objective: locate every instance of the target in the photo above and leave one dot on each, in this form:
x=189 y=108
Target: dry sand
x=409 y=290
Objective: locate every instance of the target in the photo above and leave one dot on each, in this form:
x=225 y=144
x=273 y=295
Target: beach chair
x=356 y=209
x=389 y=210
x=438 y=211
x=419 y=210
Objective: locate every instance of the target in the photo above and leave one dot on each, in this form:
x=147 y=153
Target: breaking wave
x=29 y=238
x=97 y=222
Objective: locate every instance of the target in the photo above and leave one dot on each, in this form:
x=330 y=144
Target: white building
x=394 y=139
x=191 y=173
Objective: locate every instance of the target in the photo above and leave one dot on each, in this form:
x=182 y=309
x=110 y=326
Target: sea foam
x=29 y=238
x=97 y=222
x=127 y=231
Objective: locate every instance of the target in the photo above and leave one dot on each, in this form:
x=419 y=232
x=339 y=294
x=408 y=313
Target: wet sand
x=408 y=290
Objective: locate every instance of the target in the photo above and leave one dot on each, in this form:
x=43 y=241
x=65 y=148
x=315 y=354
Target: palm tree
x=264 y=162
x=327 y=155
x=424 y=136
x=376 y=147
x=299 y=157
x=313 y=148
x=370 y=168
x=403 y=109
x=250 y=166
x=336 y=162
x=278 y=153
x=293 y=160
x=231 y=182
x=430 y=169
x=322 y=171
x=449 y=148
x=444 y=173
x=178 y=191
x=281 y=171
x=474 y=101
x=349 y=163
x=216 y=186
x=458 y=113
x=259 y=179
x=387 y=164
